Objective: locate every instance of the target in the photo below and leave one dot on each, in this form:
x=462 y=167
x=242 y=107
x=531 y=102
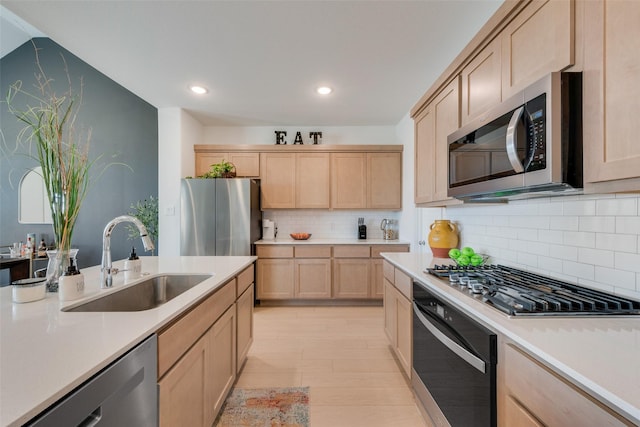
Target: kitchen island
x=597 y=355
x=45 y=352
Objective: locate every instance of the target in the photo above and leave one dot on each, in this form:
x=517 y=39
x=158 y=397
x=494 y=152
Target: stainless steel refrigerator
x=219 y=216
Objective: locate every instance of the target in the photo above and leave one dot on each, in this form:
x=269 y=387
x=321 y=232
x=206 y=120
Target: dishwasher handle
x=463 y=353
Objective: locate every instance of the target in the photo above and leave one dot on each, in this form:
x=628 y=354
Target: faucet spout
x=107 y=270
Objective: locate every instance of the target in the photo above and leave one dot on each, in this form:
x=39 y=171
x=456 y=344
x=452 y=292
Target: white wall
x=177 y=133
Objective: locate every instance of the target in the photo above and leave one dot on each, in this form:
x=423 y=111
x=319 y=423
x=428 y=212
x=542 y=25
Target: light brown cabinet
x=198 y=354
x=348 y=180
x=481 y=82
x=611 y=95
x=530 y=394
x=278 y=180
x=398 y=314
x=247 y=164
x=312 y=180
x=539 y=40
x=384 y=181
x=307 y=272
x=432 y=126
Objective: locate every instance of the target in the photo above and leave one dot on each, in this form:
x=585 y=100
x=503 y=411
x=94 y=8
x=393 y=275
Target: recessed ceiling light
x=324 y=90
x=200 y=90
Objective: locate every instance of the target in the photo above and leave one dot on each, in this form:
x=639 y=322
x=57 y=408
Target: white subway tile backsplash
x=550 y=236
x=617 y=242
x=627 y=262
x=628 y=225
x=569 y=253
x=597 y=257
x=579 y=238
x=579 y=208
x=615 y=278
x=579 y=270
x=549 y=264
x=618 y=207
x=564 y=223
x=603 y=224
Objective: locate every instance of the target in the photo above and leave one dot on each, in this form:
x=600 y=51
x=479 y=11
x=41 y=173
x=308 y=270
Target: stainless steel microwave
x=529 y=145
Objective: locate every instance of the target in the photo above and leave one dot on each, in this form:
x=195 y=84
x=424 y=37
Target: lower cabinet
x=530 y=394
x=199 y=354
x=275 y=279
x=398 y=324
x=312 y=278
x=351 y=277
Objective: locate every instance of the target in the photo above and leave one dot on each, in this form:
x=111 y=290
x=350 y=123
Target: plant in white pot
x=62 y=152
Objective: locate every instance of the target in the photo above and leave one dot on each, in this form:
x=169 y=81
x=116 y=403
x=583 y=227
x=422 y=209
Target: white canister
x=71 y=284
x=27 y=290
x=132 y=266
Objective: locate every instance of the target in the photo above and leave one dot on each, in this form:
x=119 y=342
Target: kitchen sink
x=148 y=294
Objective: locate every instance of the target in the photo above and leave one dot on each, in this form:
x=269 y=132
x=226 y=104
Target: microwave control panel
x=536 y=133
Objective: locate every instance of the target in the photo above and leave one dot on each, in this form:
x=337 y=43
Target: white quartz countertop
x=600 y=355
x=329 y=241
x=45 y=352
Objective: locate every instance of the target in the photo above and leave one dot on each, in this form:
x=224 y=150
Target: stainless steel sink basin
x=148 y=294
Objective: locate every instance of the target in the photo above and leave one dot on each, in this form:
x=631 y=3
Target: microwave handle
x=512 y=140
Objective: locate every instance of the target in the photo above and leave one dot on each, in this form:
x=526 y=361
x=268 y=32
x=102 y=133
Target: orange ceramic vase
x=442 y=237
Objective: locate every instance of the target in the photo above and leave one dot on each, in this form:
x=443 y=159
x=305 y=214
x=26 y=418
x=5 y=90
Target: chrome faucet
x=107 y=271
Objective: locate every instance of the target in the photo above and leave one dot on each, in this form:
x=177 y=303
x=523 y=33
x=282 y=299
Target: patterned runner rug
x=266 y=407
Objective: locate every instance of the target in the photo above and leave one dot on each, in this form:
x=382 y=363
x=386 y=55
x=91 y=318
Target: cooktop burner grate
x=521 y=293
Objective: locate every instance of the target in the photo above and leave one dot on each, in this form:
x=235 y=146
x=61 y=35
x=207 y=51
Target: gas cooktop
x=521 y=293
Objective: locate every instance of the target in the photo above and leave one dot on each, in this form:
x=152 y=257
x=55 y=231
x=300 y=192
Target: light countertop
x=329 y=241
x=45 y=352
x=600 y=355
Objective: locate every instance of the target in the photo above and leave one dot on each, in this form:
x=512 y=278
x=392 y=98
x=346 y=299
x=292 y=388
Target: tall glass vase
x=59 y=260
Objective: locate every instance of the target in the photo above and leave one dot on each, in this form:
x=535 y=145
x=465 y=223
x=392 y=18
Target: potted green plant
x=147 y=212
x=62 y=152
x=223 y=169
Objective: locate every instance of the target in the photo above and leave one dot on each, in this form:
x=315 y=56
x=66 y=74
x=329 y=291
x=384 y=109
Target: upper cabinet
x=247 y=164
x=482 y=82
x=539 y=40
x=611 y=95
x=432 y=126
x=316 y=176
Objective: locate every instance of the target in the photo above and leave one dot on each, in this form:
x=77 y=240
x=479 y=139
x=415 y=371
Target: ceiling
x=262 y=60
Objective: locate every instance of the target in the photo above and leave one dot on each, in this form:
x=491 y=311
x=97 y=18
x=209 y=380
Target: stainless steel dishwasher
x=123 y=394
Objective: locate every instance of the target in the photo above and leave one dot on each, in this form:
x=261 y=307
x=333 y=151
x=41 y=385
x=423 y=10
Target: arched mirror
x=33 y=204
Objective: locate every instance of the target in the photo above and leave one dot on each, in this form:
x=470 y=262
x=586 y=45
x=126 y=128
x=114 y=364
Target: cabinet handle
x=512 y=140
x=468 y=357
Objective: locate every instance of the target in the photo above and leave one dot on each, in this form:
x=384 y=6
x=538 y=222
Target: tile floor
x=342 y=354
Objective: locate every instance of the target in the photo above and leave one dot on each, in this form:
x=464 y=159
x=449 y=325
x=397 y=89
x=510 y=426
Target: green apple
x=463 y=260
x=467 y=251
x=476 y=259
x=454 y=253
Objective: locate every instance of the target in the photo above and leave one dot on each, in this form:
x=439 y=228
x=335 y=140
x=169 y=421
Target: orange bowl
x=300 y=236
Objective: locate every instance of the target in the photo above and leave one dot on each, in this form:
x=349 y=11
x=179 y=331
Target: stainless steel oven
x=454 y=363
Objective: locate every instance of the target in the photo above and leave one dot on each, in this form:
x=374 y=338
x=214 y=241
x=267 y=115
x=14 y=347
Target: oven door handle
x=512 y=140
x=468 y=357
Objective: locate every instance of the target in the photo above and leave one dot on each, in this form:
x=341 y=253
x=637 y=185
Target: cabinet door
x=313 y=278
x=390 y=316
x=205 y=160
x=312 y=180
x=611 y=93
x=538 y=41
x=182 y=397
x=384 y=180
x=377 y=286
x=348 y=181
x=517 y=415
x=244 y=308
x=481 y=82
x=278 y=178
x=432 y=127
x=247 y=164
x=274 y=278
x=222 y=359
x=404 y=327
x=351 y=278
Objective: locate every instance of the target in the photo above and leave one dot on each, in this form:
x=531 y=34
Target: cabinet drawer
x=552 y=400
x=245 y=279
x=377 y=249
x=388 y=271
x=274 y=251
x=179 y=336
x=355 y=251
x=312 y=251
x=403 y=283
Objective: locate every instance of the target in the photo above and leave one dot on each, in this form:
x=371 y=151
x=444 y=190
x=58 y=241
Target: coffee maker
x=268 y=229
